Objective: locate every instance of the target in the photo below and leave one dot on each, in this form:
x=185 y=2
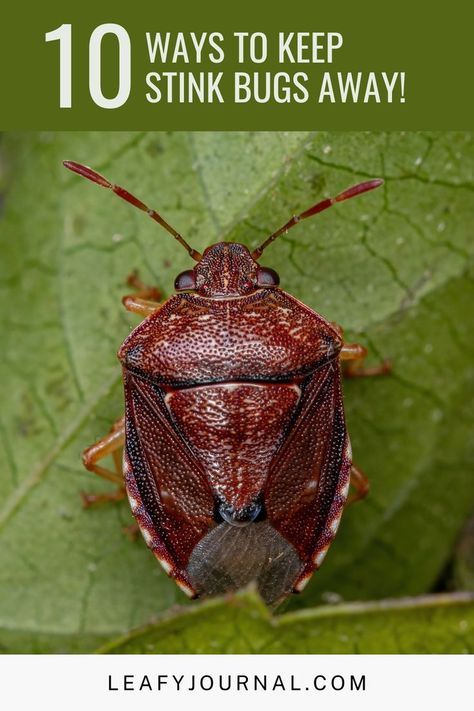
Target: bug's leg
x=136 y=283
x=360 y=483
x=145 y=300
x=355 y=354
x=112 y=444
x=131 y=531
x=96 y=499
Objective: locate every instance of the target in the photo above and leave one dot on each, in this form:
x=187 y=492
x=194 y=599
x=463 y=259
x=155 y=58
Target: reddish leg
x=355 y=354
x=145 y=300
x=112 y=444
x=89 y=500
x=360 y=483
x=131 y=531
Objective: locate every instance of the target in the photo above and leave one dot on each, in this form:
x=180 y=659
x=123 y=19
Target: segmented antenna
x=125 y=195
x=319 y=207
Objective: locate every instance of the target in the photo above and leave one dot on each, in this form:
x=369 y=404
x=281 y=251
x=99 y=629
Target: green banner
x=246 y=66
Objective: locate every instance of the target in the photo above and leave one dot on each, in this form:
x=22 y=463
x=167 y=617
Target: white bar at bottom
x=175 y=682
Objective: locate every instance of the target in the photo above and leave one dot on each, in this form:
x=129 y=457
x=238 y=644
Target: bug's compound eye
x=267 y=277
x=186 y=281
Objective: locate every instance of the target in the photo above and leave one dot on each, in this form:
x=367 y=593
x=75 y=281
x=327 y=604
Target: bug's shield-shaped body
x=237 y=457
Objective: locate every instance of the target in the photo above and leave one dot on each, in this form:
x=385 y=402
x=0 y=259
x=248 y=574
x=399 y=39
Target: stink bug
x=236 y=459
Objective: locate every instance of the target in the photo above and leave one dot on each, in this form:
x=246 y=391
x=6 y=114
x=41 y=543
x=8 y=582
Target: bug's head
x=226 y=269
x=229 y=269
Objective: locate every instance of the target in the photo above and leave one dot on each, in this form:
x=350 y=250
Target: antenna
x=125 y=195
x=319 y=207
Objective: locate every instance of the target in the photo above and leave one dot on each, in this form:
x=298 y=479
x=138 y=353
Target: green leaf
x=463 y=563
x=393 y=267
x=438 y=624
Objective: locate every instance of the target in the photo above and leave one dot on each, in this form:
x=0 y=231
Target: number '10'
x=64 y=35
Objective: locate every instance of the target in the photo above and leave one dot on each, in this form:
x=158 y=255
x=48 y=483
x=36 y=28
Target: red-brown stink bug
x=236 y=461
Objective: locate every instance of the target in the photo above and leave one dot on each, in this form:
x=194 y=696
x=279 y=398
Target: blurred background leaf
x=436 y=624
x=393 y=267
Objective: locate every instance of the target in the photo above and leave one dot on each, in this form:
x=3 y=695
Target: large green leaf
x=392 y=267
x=437 y=624
x=463 y=562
